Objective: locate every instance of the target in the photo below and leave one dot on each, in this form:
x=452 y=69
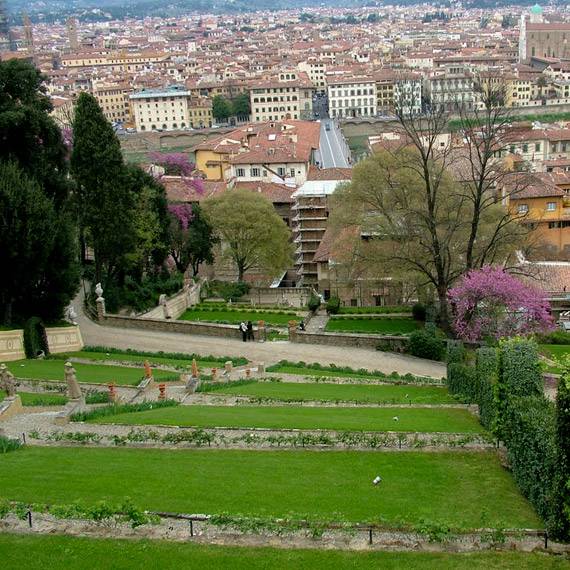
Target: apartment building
x=288 y=96
x=408 y=94
x=352 y=96
x=277 y=152
x=545 y=204
x=451 y=89
x=114 y=102
x=169 y=109
x=117 y=61
x=311 y=211
x=316 y=70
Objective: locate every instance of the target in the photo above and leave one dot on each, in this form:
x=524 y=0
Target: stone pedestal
x=228 y=366
x=292 y=325
x=261 y=331
x=261 y=368
x=100 y=304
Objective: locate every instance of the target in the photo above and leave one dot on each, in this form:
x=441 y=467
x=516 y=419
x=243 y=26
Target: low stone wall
x=64 y=339
x=174 y=306
x=292 y=296
x=392 y=343
x=173 y=326
x=12 y=345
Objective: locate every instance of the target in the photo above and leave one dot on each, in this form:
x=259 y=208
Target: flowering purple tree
x=178 y=164
x=491 y=303
x=182 y=213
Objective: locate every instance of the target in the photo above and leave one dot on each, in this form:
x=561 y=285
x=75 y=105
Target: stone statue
x=7 y=381
x=71 y=315
x=99 y=291
x=162 y=301
x=72 y=384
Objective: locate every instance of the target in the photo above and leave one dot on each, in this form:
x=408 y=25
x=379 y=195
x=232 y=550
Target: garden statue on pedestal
x=74 y=391
x=7 y=381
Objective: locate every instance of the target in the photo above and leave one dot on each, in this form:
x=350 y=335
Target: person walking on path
x=243 y=329
x=250 y=330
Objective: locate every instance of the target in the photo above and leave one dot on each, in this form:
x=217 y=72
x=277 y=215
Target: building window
x=255 y=172
x=523 y=208
x=240 y=172
x=551 y=206
x=281 y=171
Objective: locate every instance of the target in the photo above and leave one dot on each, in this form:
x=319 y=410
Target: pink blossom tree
x=178 y=164
x=491 y=303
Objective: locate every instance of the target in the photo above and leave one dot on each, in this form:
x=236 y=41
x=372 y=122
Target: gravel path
x=271 y=352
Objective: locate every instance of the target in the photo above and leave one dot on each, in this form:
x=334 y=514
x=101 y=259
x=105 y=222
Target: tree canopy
x=252 y=233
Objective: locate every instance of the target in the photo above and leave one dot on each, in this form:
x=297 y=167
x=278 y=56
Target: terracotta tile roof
x=551 y=277
x=177 y=190
x=277 y=193
x=323 y=253
x=329 y=173
x=537 y=185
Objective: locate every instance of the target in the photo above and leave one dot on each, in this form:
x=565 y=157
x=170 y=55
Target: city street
x=333 y=149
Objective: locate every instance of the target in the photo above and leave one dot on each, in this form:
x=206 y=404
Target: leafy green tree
x=253 y=234
x=192 y=238
x=104 y=199
x=241 y=105
x=221 y=108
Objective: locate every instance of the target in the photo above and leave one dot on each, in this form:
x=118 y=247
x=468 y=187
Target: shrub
x=425 y=345
x=228 y=290
x=333 y=305
x=7 y=444
x=35 y=338
x=555 y=337
x=314 y=303
x=419 y=312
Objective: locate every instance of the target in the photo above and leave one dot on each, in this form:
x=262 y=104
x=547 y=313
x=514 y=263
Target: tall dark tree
x=241 y=105
x=221 y=108
x=104 y=200
x=44 y=272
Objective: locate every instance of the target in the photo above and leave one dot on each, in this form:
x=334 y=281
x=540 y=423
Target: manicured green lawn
x=449 y=420
x=380 y=326
x=153 y=360
x=35 y=399
x=344 y=392
x=455 y=487
x=89 y=373
x=236 y=317
x=555 y=352
x=65 y=552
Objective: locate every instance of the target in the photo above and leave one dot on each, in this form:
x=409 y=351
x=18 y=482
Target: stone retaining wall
x=12 y=345
x=393 y=343
x=64 y=339
x=292 y=296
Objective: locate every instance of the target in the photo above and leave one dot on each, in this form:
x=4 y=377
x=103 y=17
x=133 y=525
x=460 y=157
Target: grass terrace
x=236 y=316
x=387 y=310
x=446 y=420
x=320 y=371
x=378 y=394
x=64 y=552
x=388 y=326
x=42 y=399
x=175 y=360
x=53 y=371
x=465 y=490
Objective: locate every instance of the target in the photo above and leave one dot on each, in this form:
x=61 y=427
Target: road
x=269 y=352
x=333 y=150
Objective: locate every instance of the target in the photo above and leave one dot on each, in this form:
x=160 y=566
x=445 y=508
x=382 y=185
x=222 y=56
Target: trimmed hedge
x=462 y=381
x=419 y=312
x=314 y=303
x=455 y=351
x=529 y=431
x=333 y=305
x=519 y=367
x=487 y=369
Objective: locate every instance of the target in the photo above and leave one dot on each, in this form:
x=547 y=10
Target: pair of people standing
x=246 y=331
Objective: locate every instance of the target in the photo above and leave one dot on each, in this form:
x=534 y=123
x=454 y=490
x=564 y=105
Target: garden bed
x=367 y=325
x=226 y=316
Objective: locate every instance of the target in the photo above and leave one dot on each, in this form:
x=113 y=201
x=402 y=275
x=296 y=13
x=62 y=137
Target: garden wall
x=293 y=296
x=176 y=304
x=64 y=339
x=12 y=345
x=173 y=326
x=392 y=343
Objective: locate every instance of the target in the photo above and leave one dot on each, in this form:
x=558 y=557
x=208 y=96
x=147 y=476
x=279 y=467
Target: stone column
x=292 y=331
x=261 y=331
x=100 y=303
